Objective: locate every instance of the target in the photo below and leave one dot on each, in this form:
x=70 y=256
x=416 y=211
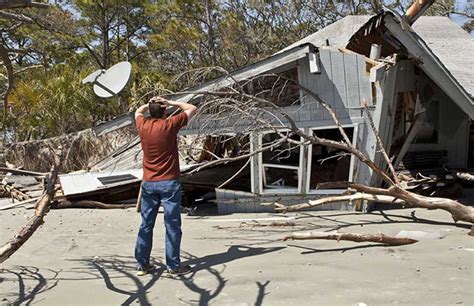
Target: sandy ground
x=85 y=257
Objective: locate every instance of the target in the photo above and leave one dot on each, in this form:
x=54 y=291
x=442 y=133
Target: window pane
x=329 y=164
x=277 y=178
x=284 y=154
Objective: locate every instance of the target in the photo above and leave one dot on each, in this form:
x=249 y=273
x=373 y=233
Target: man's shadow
x=115 y=268
x=209 y=263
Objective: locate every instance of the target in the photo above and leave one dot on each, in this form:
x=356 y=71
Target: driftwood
x=88 y=204
x=41 y=209
x=378 y=238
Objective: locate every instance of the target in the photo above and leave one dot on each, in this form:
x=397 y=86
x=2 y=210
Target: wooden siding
x=343 y=84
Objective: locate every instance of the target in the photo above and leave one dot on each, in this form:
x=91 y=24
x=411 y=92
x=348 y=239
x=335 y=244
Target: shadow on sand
x=118 y=274
x=211 y=262
x=30 y=284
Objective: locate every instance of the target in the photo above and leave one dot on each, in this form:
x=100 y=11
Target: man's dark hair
x=156 y=109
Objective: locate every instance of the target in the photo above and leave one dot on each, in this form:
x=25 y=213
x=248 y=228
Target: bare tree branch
x=378 y=238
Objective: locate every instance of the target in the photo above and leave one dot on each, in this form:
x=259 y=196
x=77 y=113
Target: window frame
x=261 y=168
x=308 y=189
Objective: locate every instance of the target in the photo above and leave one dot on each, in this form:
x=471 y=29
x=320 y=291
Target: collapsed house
x=418 y=90
x=416 y=81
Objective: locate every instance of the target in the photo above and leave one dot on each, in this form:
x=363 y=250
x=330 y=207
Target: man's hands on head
x=189 y=109
x=159 y=100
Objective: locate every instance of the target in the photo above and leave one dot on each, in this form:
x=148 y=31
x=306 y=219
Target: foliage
x=52 y=102
x=52 y=49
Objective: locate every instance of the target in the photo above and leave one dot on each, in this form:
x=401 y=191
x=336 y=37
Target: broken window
x=329 y=164
x=280 y=165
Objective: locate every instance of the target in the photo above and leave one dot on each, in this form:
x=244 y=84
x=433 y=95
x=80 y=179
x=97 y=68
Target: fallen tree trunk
x=88 y=204
x=351 y=197
x=42 y=208
x=378 y=238
x=391 y=195
x=458 y=211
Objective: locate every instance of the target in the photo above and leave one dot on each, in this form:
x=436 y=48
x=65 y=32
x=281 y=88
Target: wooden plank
x=410 y=136
x=317 y=113
x=352 y=80
x=339 y=80
x=365 y=89
x=304 y=113
x=19 y=204
x=355 y=113
x=22 y=172
x=254 y=165
x=327 y=86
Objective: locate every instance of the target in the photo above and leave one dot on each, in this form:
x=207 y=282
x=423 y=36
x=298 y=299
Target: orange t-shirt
x=160 y=146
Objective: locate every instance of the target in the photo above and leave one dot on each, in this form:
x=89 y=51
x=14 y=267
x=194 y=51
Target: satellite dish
x=108 y=83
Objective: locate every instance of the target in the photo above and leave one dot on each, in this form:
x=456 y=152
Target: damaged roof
x=452 y=45
x=338 y=33
x=444 y=44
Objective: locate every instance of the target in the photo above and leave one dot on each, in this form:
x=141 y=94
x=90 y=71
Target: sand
x=85 y=257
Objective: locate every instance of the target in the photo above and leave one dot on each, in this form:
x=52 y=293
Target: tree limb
x=341 y=198
x=42 y=208
x=378 y=238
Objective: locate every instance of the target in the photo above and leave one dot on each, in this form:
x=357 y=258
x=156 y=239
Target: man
x=161 y=184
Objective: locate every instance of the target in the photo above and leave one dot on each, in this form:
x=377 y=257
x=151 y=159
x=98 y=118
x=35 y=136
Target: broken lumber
x=88 y=204
x=22 y=172
x=15 y=193
x=378 y=238
x=19 y=204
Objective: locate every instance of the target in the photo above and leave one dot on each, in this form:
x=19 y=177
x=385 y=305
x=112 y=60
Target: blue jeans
x=153 y=194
